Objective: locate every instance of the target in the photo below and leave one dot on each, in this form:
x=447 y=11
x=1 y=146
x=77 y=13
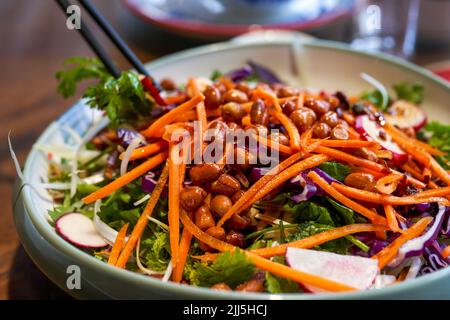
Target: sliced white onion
x=127 y=154
x=14 y=158
x=379 y=86
x=141 y=200
x=168 y=272
x=94 y=179
x=414 y=269
x=65 y=151
x=159 y=223
x=141 y=267
x=108 y=233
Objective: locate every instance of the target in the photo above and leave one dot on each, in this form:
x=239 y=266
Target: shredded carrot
x=268 y=96
x=300 y=100
x=185 y=244
x=118 y=244
x=446 y=252
x=388 y=253
x=187 y=116
x=126 y=178
x=294 y=135
x=246 y=121
x=264 y=264
x=348 y=143
x=177 y=99
x=437 y=192
x=389 y=183
x=174 y=202
x=148 y=150
x=156 y=129
x=309 y=242
x=287 y=174
x=439 y=172
x=340 y=155
x=331 y=190
x=391 y=216
x=368 y=196
x=273 y=145
x=248 y=195
x=143 y=219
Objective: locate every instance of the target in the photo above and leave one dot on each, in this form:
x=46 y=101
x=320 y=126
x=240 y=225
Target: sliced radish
x=406 y=115
x=354 y=271
x=372 y=131
x=79 y=230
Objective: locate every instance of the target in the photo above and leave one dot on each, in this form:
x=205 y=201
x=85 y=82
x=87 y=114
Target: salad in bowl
x=242 y=182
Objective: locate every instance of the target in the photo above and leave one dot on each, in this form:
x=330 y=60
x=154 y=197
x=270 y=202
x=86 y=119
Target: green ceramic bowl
x=326 y=65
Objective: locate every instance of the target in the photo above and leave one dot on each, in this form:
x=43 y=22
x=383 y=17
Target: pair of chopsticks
x=148 y=82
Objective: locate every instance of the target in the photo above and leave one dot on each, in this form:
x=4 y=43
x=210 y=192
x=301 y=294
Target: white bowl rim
x=198 y=292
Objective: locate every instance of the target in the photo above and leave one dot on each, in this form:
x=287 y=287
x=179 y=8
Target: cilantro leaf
x=215 y=75
x=123 y=98
x=230 y=268
x=376 y=98
x=412 y=92
x=276 y=284
x=83 y=68
x=156 y=251
x=310 y=211
x=439 y=137
x=346 y=214
x=336 y=170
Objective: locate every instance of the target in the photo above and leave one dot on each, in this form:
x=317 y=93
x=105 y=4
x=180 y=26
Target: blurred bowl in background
x=221 y=19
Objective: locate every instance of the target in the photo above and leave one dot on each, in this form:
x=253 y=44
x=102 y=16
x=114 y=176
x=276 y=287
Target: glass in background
x=386 y=25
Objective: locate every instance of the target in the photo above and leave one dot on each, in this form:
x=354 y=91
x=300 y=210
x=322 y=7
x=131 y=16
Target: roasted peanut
x=236 y=239
x=221 y=287
x=320 y=107
x=204 y=218
x=303 y=118
x=212 y=97
x=321 y=131
x=168 y=84
x=330 y=118
x=205 y=172
x=220 y=204
x=235 y=95
x=339 y=133
x=232 y=112
x=217 y=232
x=237 y=195
x=288 y=107
x=361 y=180
x=286 y=91
x=279 y=137
x=258 y=113
x=226 y=185
x=192 y=197
x=238 y=222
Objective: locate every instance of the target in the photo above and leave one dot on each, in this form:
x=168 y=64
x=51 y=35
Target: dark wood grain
x=33 y=44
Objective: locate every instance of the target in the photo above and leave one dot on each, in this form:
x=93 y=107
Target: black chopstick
x=93 y=43
x=148 y=82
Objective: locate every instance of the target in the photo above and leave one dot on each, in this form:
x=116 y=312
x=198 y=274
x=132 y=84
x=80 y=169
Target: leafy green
x=310 y=211
x=156 y=251
x=308 y=229
x=83 y=68
x=439 y=137
x=375 y=97
x=215 y=75
x=230 y=268
x=347 y=215
x=336 y=170
x=276 y=284
x=412 y=92
x=123 y=99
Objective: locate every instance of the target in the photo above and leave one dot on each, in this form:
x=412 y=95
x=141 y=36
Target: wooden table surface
x=33 y=44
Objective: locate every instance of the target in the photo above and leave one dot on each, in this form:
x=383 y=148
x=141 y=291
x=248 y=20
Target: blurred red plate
x=168 y=17
x=442 y=69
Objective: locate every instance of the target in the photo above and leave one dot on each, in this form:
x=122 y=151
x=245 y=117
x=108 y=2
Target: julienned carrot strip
x=179 y=98
x=423 y=145
x=187 y=116
x=309 y=242
x=156 y=129
x=348 y=143
x=340 y=155
x=118 y=244
x=388 y=184
x=446 y=252
x=131 y=175
x=388 y=199
x=273 y=145
x=438 y=192
x=143 y=219
x=201 y=114
x=268 y=96
x=174 y=201
x=148 y=150
x=264 y=264
x=185 y=244
x=414 y=150
x=331 y=190
x=294 y=135
x=439 y=172
x=246 y=197
x=287 y=174
x=391 y=218
x=388 y=253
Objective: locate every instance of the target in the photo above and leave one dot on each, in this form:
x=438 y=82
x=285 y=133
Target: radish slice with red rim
x=79 y=230
x=372 y=131
x=404 y=114
x=354 y=271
